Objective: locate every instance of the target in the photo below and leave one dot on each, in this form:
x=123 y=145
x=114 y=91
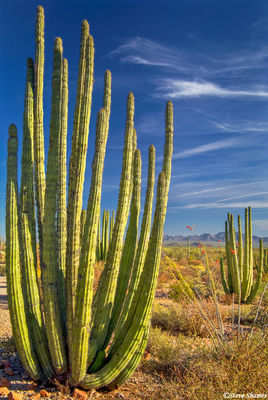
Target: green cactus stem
x=240 y=266
x=256 y=286
x=16 y=303
x=111 y=226
x=82 y=318
x=27 y=229
x=129 y=250
x=39 y=149
x=131 y=339
x=82 y=223
x=77 y=170
x=104 y=298
x=61 y=194
x=133 y=363
x=53 y=318
x=265 y=261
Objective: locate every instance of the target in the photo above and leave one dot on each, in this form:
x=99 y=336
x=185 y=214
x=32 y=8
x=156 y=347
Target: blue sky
x=210 y=58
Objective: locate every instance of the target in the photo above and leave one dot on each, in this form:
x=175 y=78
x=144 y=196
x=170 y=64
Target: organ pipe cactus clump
x=239 y=259
x=61 y=328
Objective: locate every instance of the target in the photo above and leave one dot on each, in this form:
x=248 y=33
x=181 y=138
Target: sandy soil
x=5 y=327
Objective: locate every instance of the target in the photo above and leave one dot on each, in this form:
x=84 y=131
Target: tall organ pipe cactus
x=239 y=259
x=91 y=340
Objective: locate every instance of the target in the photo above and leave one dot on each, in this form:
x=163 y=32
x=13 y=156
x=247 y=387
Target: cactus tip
x=85 y=27
x=40 y=10
x=58 y=44
x=12 y=130
x=30 y=62
x=90 y=41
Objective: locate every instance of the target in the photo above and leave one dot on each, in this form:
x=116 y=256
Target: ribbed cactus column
x=39 y=149
x=132 y=338
x=21 y=332
x=135 y=289
x=256 y=286
x=142 y=245
x=129 y=249
x=240 y=266
x=61 y=194
x=53 y=321
x=82 y=224
x=104 y=298
x=27 y=229
x=77 y=169
x=87 y=260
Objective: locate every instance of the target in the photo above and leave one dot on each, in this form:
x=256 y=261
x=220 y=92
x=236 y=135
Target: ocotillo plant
x=188 y=249
x=92 y=341
x=239 y=260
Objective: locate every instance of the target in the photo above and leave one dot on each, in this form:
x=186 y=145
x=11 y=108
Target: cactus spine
x=118 y=314
x=239 y=260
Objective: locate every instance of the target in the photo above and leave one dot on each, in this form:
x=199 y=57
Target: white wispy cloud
x=143 y=51
x=261 y=224
x=216 y=61
x=225 y=187
x=242 y=126
x=253 y=204
x=213 y=146
x=242 y=196
x=176 y=88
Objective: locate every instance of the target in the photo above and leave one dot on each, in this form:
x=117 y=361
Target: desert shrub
x=193 y=371
x=178 y=318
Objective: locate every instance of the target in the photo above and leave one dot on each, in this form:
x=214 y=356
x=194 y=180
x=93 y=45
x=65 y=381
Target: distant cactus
x=265 y=261
x=104 y=237
x=239 y=260
x=90 y=340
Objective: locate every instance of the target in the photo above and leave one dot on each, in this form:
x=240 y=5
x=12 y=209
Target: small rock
x=146 y=355
x=15 y=396
x=4 y=382
x=44 y=393
x=79 y=394
x=3 y=391
x=35 y=396
x=30 y=392
x=33 y=386
x=9 y=371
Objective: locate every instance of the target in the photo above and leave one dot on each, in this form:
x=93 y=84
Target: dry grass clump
x=192 y=370
x=177 y=318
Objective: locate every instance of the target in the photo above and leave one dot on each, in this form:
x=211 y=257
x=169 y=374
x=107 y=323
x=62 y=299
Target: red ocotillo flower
x=187 y=226
x=203 y=251
x=232 y=251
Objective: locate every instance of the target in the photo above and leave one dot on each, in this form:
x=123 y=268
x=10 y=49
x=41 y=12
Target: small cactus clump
x=239 y=259
x=61 y=328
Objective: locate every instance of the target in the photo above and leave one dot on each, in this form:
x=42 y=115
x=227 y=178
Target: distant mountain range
x=206 y=237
